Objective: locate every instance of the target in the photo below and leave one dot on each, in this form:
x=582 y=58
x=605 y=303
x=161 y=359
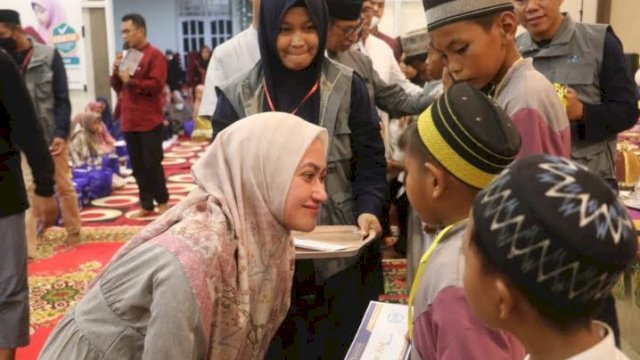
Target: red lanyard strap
x=305 y=99
x=25 y=62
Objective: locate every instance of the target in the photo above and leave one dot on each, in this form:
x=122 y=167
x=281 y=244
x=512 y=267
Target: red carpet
x=57 y=283
x=122 y=207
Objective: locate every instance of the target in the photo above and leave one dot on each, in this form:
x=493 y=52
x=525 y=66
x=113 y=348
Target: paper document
x=382 y=333
x=317 y=245
x=130 y=61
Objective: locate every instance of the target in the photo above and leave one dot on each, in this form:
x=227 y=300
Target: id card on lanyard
x=304 y=100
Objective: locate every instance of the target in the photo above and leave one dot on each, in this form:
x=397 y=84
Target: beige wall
x=624 y=20
x=405 y=15
x=402 y=16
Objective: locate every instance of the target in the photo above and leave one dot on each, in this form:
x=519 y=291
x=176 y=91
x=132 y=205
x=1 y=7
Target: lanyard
x=26 y=61
x=306 y=97
x=421 y=268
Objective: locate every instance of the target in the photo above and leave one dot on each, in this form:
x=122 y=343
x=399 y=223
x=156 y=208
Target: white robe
x=233 y=57
x=605 y=349
x=385 y=64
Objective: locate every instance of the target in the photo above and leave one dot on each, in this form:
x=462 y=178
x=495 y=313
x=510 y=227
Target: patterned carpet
x=59 y=276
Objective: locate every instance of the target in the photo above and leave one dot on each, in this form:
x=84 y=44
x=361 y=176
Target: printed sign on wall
x=56 y=23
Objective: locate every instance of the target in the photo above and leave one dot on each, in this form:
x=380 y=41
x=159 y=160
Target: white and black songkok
x=555 y=230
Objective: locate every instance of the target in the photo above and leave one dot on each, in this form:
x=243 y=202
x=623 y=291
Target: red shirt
x=141 y=100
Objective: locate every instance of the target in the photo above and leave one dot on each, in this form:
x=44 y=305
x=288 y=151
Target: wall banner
x=57 y=23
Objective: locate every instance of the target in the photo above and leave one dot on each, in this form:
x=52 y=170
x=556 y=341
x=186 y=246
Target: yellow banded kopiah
x=469 y=135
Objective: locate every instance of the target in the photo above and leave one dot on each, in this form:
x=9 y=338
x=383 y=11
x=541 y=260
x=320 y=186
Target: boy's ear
x=508 y=23
x=506 y=298
x=437 y=178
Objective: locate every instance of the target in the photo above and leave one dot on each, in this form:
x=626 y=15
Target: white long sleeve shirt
x=231 y=58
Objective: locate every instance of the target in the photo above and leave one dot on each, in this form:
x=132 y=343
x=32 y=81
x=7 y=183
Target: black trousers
x=146 y=154
x=323 y=319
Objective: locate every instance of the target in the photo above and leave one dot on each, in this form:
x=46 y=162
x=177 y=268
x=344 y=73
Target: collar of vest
x=252 y=91
x=41 y=54
x=558 y=46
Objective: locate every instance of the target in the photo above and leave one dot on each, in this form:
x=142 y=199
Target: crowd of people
x=489 y=155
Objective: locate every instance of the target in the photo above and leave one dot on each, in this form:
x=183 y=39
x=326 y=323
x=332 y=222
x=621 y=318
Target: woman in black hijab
x=294 y=76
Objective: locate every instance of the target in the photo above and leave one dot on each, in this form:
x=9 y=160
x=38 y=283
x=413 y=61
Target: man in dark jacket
x=19 y=131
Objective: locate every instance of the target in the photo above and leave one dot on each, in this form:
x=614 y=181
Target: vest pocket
x=43 y=88
x=598 y=157
x=575 y=74
x=340 y=209
x=340 y=146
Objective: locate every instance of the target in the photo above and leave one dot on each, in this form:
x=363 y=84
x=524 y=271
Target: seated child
x=477 y=42
x=547 y=242
x=456 y=148
x=102 y=107
x=90 y=141
x=177 y=112
x=202 y=129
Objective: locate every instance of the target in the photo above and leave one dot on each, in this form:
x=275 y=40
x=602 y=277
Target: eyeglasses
x=351 y=29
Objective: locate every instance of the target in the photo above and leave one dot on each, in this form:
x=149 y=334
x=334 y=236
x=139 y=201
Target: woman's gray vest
x=39 y=81
x=574 y=58
x=246 y=94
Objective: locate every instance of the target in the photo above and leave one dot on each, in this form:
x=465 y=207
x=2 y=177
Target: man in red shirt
x=139 y=85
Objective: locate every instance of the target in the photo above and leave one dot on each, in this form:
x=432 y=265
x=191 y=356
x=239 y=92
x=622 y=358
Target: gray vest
x=574 y=58
x=247 y=95
x=39 y=81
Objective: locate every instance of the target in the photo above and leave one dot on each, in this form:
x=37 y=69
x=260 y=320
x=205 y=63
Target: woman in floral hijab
x=211 y=278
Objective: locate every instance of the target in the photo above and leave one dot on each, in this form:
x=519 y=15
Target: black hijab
x=287 y=87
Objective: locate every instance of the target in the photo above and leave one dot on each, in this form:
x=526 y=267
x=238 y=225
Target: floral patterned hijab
x=229 y=236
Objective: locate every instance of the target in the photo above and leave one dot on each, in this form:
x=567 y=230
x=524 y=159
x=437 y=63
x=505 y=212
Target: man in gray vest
x=588 y=61
x=344 y=27
x=46 y=79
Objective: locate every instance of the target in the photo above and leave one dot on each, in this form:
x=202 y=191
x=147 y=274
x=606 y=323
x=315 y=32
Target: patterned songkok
x=443 y=12
x=415 y=42
x=469 y=135
x=555 y=230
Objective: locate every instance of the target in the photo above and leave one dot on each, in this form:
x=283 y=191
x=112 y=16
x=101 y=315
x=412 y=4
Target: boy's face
x=469 y=52
x=420 y=67
x=434 y=65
